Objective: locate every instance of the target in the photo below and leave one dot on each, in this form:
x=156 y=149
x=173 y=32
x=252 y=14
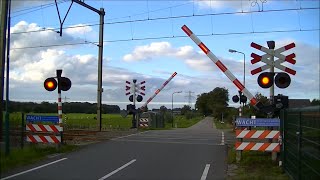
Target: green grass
x=109 y=121
x=255 y=165
x=81 y=120
x=31 y=154
x=88 y=120
x=224 y=125
x=183 y=122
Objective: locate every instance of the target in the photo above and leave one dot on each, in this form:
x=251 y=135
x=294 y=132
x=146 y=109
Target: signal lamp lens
x=50 y=84
x=265 y=80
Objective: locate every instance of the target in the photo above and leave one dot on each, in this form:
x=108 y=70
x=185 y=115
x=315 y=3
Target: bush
x=189 y=115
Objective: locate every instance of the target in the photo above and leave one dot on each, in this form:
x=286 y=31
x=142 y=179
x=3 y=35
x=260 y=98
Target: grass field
x=31 y=154
x=109 y=121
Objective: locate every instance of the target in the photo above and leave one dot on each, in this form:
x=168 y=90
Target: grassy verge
x=224 y=125
x=180 y=121
x=183 y=122
x=255 y=165
x=29 y=155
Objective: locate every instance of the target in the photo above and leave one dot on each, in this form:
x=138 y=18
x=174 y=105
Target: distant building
x=299 y=103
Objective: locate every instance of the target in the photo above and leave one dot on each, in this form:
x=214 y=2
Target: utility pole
x=3 y=30
x=189 y=96
x=65 y=99
x=100 y=57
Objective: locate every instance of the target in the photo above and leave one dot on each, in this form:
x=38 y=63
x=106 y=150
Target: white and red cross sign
x=276 y=53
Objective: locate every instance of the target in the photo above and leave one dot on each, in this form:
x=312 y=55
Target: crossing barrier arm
x=253 y=101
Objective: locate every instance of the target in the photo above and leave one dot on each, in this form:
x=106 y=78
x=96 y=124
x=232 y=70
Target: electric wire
x=173 y=17
x=37 y=8
x=167 y=37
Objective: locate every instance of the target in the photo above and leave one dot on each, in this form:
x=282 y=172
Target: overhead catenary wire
x=172 y=17
x=168 y=37
x=33 y=9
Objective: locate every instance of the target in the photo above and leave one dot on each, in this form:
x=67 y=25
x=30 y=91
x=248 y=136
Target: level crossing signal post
x=136 y=92
x=140 y=88
x=269 y=79
x=61 y=84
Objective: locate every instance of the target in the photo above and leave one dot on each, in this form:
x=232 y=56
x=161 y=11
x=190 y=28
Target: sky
x=143 y=40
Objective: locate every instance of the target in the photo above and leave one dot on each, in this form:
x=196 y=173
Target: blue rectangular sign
x=257 y=122
x=37 y=118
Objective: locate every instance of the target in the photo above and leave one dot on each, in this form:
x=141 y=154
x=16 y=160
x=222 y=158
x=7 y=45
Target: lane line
x=117 y=170
x=168 y=142
x=128 y=135
x=173 y=138
x=18 y=174
x=222 y=138
x=205 y=172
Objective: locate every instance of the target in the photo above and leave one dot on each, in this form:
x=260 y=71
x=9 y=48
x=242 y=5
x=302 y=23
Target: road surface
x=195 y=153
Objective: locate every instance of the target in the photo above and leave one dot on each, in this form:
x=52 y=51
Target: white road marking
x=222 y=138
x=168 y=142
x=8 y=177
x=117 y=170
x=205 y=172
x=128 y=135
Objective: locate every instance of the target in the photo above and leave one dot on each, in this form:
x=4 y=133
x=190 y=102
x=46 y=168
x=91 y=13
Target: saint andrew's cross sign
x=276 y=53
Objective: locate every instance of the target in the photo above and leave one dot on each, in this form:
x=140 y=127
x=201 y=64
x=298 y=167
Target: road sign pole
x=134 y=120
x=59 y=72
x=271 y=45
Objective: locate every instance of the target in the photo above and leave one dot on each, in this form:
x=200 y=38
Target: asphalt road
x=195 y=153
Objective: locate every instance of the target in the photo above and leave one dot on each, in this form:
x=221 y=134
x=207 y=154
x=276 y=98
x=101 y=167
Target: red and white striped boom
x=158 y=90
x=221 y=66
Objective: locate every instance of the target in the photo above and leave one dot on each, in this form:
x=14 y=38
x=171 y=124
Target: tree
x=163 y=109
x=185 y=109
x=218 y=101
x=250 y=110
x=315 y=102
x=202 y=104
x=214 y=102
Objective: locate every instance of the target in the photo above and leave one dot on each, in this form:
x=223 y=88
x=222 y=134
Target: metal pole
x=244 y=70
x=100 y=57
x=134 y=121
x=7 y=150
x=172 y=105
x=3 y=28
x=172 y=109
x=271 y=45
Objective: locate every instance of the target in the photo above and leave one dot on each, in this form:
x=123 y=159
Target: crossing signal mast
x=140 y=88
x=63 y=84
x=268 y=79
x=137 y=91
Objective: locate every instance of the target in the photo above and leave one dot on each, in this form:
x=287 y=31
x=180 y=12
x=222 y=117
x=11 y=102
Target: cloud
x=79 y=29
x=194 y=59
x=238 y=5
x=148 y=51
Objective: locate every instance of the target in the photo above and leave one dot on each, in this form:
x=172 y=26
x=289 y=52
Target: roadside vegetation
x=30 y=154
x=253 y=165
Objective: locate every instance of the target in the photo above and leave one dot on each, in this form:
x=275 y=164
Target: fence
x=16 y=131
x=300 y=129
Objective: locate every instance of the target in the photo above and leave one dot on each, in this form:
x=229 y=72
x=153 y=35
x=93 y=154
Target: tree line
x=215 y=103
x=68 y=107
